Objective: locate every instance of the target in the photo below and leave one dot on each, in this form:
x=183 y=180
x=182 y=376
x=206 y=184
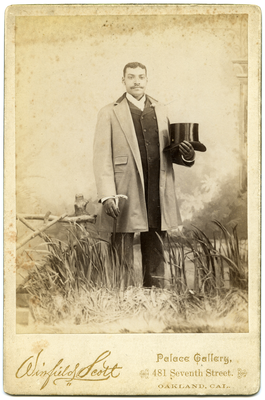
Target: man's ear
x=122 y=79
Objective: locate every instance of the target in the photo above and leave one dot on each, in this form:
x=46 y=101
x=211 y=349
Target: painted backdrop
x=67 y=68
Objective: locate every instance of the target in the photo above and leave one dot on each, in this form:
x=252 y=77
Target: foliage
x=215 y=199
x=83 y=279
x=212 y=258
x=76 y=264
x=138 y=309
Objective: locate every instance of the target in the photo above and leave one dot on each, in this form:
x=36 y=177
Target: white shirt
x=137 y=103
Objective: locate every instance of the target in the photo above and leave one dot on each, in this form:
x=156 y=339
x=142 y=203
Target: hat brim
x=198 y=146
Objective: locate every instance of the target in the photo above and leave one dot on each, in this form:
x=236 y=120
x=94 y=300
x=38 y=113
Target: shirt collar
x=138 y=103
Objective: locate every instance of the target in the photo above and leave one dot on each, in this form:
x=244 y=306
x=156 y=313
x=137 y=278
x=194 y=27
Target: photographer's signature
x=98 y=370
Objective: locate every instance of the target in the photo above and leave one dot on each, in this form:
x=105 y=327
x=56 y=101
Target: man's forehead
x=135 y=71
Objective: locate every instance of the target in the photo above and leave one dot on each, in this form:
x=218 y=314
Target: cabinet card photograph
x=132 y=200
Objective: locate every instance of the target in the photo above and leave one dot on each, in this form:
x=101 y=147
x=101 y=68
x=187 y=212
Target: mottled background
x=67 y=68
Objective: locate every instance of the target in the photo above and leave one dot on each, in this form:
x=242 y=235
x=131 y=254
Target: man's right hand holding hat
x=187 y=151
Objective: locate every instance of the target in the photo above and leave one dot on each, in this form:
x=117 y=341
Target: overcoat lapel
x=124 y=117
x=162 y=124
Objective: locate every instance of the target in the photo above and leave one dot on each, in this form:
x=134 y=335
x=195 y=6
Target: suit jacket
x=118 y=169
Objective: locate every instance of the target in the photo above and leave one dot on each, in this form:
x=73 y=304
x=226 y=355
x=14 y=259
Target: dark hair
x=134 y=65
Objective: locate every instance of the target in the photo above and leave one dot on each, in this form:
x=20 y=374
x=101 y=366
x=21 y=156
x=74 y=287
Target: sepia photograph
x=134 y=209
x=132 y=173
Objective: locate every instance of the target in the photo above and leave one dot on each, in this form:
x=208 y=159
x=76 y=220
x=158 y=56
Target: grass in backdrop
x=81 y=285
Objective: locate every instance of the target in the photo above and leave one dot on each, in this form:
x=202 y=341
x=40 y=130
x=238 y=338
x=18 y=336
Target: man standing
x=130 y=137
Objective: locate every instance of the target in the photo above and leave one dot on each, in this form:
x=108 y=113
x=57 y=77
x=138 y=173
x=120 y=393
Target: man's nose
x=136 y=81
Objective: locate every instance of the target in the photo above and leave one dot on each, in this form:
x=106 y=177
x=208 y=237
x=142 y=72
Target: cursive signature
x=99 y=370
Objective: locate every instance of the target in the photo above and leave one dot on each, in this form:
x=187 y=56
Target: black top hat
x=185 y=131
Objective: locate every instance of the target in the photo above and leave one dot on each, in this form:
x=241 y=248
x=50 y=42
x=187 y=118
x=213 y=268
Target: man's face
x=135 y=81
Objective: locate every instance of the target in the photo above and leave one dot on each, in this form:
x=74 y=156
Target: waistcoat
x=146 y=129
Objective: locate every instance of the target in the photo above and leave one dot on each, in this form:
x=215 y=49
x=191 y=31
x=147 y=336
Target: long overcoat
x=118 y=169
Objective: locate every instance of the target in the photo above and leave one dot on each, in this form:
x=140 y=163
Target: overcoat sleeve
x=177 y=159
x=102 y=155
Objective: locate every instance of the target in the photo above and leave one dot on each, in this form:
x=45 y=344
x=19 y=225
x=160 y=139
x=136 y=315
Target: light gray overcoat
x=118 y=169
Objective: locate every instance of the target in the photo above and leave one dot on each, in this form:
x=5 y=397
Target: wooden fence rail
x=80 y=218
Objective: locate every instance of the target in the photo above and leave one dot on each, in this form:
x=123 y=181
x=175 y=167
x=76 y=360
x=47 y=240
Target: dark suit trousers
x=152 y=256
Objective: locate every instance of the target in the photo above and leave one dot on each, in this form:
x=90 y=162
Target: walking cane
x=116 y=198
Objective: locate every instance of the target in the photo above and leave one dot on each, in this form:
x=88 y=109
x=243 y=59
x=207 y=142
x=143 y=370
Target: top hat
x=185 y=131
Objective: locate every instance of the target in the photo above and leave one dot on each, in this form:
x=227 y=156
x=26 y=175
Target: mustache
x=138 y=87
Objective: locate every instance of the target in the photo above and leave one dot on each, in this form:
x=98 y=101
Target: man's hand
x=186 y=150
x=110 y=208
